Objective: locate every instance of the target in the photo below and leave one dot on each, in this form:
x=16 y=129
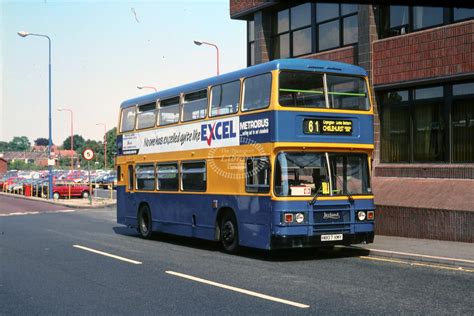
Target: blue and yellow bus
x=277 y=155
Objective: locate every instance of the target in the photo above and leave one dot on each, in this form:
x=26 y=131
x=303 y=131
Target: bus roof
x=283 y=64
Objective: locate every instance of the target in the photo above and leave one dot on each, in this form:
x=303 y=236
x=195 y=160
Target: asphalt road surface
x=82 y=262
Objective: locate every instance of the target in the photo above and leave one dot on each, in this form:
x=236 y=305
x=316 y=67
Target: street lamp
x=147 y=87
x=199 y=43
x=105 y=144
x=50 y=176
x=72 y=136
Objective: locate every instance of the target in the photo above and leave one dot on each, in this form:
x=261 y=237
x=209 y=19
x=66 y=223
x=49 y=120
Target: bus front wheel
x=144 y=222
x=229 y=232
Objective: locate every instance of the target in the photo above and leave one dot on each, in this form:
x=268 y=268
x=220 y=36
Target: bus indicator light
x=370 y=215
x=288 y=218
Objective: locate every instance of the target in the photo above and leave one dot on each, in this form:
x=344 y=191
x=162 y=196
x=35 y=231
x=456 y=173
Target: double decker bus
x=277 y=155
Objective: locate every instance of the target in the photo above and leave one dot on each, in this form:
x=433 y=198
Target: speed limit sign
x=88 y=154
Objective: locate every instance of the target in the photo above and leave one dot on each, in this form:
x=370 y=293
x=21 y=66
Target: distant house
x=3 y=166
x=38 y=155
x=37 y=158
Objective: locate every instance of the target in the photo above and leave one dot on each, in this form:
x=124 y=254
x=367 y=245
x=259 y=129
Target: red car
x=61 y=189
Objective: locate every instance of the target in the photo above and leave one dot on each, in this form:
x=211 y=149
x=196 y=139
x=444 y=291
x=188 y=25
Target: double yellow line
x=418 y=264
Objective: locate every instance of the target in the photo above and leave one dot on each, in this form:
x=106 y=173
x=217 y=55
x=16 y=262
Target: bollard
x=69 y=195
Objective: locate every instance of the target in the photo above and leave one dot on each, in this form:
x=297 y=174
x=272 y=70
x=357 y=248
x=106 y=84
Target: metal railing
x=42 y=190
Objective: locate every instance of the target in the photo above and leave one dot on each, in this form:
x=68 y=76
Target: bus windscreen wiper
x=315 y=196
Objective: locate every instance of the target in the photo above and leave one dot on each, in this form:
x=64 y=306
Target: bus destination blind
x=327 y=127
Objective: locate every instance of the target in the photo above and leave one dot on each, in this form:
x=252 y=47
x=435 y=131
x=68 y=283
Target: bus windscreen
x=307 y=89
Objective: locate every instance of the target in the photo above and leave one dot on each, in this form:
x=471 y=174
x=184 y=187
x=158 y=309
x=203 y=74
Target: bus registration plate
x=331 y=237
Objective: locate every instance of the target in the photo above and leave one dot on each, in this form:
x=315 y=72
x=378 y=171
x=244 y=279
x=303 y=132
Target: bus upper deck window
x=168 y=111
x=128 y=119
x=146 y=116
x=257 y=92
x=195 y=105
x=225 y=98
x=302 y=89
x=347 y=93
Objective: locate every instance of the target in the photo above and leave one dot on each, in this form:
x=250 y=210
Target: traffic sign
x=88 y=154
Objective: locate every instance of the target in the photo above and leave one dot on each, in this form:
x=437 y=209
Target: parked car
x=66 y=189
x=109 y=182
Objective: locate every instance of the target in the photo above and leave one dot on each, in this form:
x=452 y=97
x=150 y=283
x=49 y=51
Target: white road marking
x=36 y=213
x=236 y=289
x=107 y=254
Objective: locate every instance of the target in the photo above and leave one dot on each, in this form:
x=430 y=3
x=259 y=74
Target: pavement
x=78 y=203
x=427 y=251
x=459 y=255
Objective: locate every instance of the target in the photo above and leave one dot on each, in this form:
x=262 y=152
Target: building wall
x=3 y=166
x=344 y=54
x=422 y=200
x=433 y=53
x=238 y=7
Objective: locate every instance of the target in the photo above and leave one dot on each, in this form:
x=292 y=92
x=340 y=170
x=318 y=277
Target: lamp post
x=105 y=144
x=199 y=43
x=72 y=135
x=50 y=176
x=147 y=87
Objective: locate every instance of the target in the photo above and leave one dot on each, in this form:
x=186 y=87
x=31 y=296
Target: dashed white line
x=36 y=213
x=107 y=254
x=239 y=290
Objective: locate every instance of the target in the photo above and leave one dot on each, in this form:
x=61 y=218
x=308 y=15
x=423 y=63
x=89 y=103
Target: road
x=61 y=263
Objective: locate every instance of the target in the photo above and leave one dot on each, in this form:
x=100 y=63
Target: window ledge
x=442 y=170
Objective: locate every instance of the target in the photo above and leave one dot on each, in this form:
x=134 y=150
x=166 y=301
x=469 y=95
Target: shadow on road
x=285 y=255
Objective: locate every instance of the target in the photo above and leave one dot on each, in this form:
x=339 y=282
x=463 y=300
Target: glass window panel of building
x=251 y=42
x=336 y=25
x=460 y=14
x=424 y=17
x=424 y=125
x=462 y=123
x=428 y=129
x=292 y=33
x=395 y=115
x=398 y=20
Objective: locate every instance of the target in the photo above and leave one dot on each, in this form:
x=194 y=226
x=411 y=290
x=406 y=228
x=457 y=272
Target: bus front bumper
x=285 y=242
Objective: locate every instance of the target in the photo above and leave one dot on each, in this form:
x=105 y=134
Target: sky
x=101 y=51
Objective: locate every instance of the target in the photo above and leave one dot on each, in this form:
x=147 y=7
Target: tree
x=22 y=165
x=4 y=146
x=111 y=147
x=78 y=142
x=20 y=143
x=41 y=141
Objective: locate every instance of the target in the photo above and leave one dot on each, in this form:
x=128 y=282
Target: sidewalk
x=84 y=203
x=450 y=253
x=79 y=203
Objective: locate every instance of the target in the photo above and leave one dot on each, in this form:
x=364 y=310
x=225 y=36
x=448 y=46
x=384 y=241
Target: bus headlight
x=299 y=218
x=361 y=215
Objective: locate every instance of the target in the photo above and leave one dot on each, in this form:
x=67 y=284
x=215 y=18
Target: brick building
x=420 y=61
x=3 y=166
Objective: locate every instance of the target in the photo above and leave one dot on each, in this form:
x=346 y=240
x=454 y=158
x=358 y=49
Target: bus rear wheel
x=229 y=232
x=144 y=222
